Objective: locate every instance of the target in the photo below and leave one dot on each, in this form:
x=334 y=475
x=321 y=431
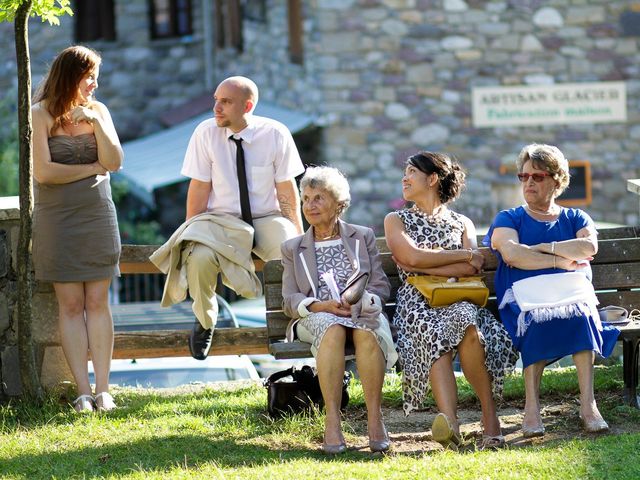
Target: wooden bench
x=167 y=341
x=616 y=278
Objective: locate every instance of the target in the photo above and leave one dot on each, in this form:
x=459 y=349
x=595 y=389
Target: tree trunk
x=28 y=371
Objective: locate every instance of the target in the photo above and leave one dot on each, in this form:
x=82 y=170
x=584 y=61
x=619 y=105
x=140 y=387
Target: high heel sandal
x=535 y=431
x=104 y=402
x=84 y=404
x=442 y=432
x=380 y=445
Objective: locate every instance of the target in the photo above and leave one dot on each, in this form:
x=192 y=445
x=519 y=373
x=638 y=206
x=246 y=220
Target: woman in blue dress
x=541 y=238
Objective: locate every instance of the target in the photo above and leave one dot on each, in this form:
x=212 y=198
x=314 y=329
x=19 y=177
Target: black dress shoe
x=200 y=341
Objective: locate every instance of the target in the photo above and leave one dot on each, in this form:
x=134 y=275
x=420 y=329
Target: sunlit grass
x=225 y=433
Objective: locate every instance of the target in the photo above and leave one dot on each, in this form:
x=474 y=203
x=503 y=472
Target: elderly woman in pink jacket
x=318 y=265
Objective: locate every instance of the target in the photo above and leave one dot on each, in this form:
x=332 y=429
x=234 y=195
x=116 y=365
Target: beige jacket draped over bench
x=232 y=241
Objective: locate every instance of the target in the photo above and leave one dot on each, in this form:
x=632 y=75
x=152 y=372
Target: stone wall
x=9 y=365
x=396 y=76
x=50 y=358
x=140 y=78
x=386 y=78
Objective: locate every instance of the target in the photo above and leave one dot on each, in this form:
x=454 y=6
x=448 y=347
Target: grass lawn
x=221 y=432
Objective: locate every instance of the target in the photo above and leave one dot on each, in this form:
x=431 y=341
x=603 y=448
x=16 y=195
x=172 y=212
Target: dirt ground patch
x=412 y=434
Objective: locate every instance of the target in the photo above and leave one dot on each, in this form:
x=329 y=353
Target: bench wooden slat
x=175 y=343
x=296 y=349
x=603 y=234
x=617 y=251
x=611 y=250
x=619 y=232
x=627 y=299
x=616 y=275
x=135 y=258
x=278 y=321
x=127 y=268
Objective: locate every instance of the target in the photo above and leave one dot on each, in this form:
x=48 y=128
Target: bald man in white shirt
x=271 y=162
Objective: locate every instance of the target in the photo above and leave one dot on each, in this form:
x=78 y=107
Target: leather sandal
x=493 y=442
x=531 y=432
x=104 y=402
x=84 y=404
x=442 y=432
x=535 y=431
x=334 y=449
x=595 y=425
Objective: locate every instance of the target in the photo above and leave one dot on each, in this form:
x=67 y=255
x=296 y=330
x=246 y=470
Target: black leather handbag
x=300 y=394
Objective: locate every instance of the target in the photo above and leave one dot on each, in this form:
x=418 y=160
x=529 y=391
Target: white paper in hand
x=330 y=280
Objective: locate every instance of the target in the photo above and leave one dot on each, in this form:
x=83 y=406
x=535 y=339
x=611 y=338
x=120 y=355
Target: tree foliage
x=47 y=10
x=8 y=145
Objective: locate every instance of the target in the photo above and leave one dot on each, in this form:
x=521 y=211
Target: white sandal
x=104 y=402
x=84 y=404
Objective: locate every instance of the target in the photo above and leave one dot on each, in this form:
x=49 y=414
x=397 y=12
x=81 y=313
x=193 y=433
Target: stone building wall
x=396 y=76
x=9 y=365
x=385 y=78
x=140 y=78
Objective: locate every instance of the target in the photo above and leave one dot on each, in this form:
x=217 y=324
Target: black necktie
x=245 y=205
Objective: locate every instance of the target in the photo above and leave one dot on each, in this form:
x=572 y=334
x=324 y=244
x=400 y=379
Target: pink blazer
x=300 y=276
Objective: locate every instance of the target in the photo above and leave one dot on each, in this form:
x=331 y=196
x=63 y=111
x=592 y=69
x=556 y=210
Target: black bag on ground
x=300 y=394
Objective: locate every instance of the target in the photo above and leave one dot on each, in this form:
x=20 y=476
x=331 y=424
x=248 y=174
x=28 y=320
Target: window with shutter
x=228 y=21
x=170 y=18
x=296 y=52
x=94 y=21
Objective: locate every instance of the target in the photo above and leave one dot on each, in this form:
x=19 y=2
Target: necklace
x=437 y=212
x=548 y=213
x=334 y=232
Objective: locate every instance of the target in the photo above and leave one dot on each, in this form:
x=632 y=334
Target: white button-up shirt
x=270 y=156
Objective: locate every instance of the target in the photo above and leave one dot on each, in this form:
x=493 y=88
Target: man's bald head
x=247 y=86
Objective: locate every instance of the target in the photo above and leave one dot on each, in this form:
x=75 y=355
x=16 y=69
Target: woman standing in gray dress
x=76 y=244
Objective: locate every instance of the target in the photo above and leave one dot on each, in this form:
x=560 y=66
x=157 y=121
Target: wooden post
x=28 y=370
x=633 y=185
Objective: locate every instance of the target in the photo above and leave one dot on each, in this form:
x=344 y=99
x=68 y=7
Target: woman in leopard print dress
x=431 y=239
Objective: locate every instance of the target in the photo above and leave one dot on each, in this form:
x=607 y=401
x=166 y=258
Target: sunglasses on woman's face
x=537 y=177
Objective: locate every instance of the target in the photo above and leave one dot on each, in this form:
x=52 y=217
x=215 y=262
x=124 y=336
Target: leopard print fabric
x=425 y=333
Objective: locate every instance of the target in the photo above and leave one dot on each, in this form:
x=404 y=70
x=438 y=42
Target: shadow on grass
x=28 y=415
x=607 y=457
x=158 y=455
x=215 y=448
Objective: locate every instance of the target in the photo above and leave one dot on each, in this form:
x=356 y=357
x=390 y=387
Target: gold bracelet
x=470 y=255
x=553 y=250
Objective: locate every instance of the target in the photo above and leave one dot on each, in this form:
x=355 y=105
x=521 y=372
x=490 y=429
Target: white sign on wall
x=568 y=103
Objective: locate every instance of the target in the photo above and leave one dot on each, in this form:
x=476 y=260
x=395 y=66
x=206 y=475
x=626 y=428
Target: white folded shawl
x=556 y=295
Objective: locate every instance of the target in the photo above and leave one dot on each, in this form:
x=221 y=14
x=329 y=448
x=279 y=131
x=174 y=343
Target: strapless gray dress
x=75 y=229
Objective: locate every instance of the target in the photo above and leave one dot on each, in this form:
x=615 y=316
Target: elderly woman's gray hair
x=548 y=158
x=330 y=180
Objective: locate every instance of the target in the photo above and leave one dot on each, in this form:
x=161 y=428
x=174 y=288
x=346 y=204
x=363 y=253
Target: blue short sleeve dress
x=551 y=340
